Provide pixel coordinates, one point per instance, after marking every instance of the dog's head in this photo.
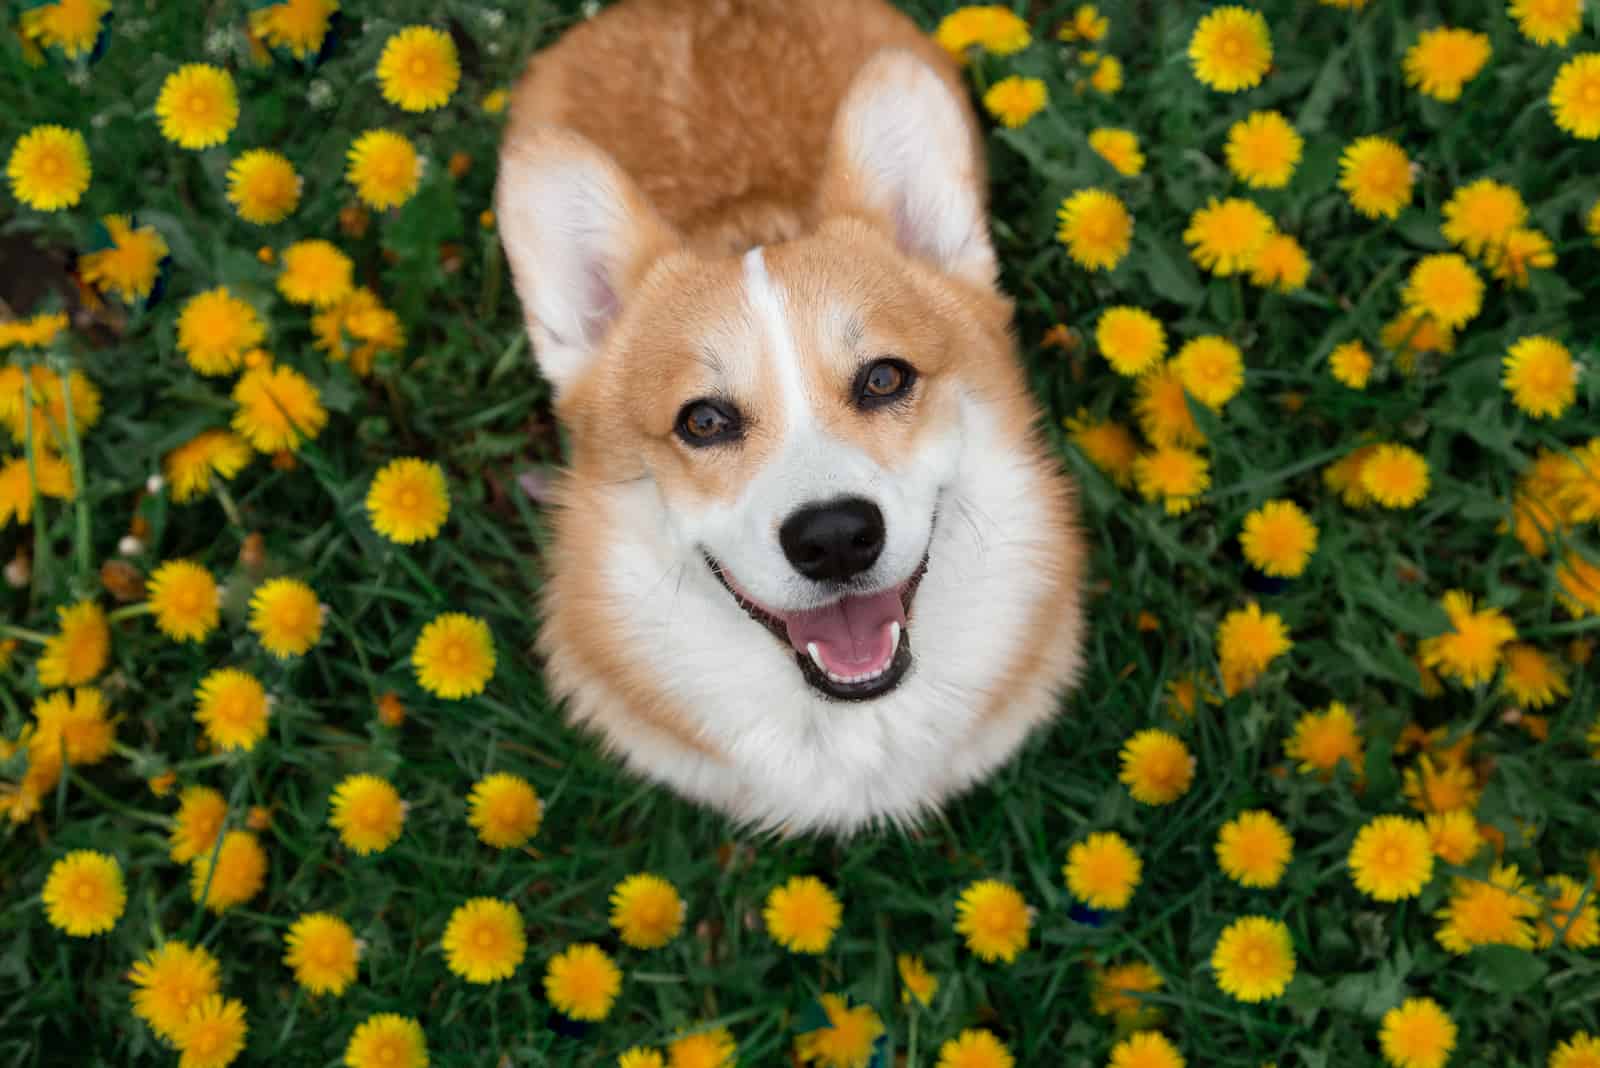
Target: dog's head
(802, 420)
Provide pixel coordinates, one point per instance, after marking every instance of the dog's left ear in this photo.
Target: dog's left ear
(903, 153)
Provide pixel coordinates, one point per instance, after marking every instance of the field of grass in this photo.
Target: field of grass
(1452, 711)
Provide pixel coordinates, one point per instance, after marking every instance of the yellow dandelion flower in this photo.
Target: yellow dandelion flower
(916, 983)
(239, 872)
(80, 650)
(1412, 334)
(285, 615)
(1395, 476)
(34, 333)
(1254, 959)
(505, 810)
(408, 501)
(371, 326)
(1263, 150)
(1570, 915)
(494, 102)
(184, 599)
(367, 812)
(297, 25)
(1131, 339)
(1109, 445)
(1444, 786)
(50, 395)
(454, 656)
(1231, 49)
(1172, 474)
(846, 1041)
(263, 186)
(1376, 175)
(1282, 264)
(1446, 288)
(315, 272)
(582, 982)
(1523, 248)
(1497, 911)
(1145, 1049)
(277, 409)
(323, 953)
(171, 980)
(197, 823)
(1391, 858)
(130, 265)
(387, 1040)
(1120, 148)
(216, 329)
(994, 28)
(646, 911)
(1580, 483)
(1481, 214)
(1157, 767)
(1211, 369)
(1582, 1050)
(384, 168)
(1117, 992)
(1015, 100)
(802, 915)
(994, 920)
(1096, 228)
(1253, 849)
(73, 26)
(484, 941)
(975, 1048)
(1248, 641)
(83, 894)
(1107, 76)
(1162, 408)
(1351, 364)
(1417, 1034)
(1470, 651)
(189, 468)
(1575, 96)
(1278, 539)
(1547, 22)
(212, 1034)
(198, 106)
(74, 724)
(1541, 377)
(1102, 871)
(1454, 835)
(1086, 24)
(1226, 236)
(49, 168)
(1443, 60)
(233, 708)
(16, 487)
(1532, 678)
(640, 1057)
(703, 1049)
(418, 69)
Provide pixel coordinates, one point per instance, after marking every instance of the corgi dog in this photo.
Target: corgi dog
(811, 563)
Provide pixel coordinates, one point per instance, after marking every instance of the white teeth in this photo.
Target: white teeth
(894, 638)
(816, 658)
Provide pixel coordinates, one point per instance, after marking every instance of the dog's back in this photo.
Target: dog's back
(720, 110)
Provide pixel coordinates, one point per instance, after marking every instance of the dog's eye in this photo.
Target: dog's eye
(883, 381)
(707, 422)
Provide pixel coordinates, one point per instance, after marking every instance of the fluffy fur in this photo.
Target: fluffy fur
(752, 200)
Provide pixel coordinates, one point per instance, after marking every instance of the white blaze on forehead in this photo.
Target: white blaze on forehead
(772, 317)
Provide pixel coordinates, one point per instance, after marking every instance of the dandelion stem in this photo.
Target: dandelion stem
(41, 546)
(108, 802)
(12, 631)
(81, 536)
(230, 507)
(129, 611)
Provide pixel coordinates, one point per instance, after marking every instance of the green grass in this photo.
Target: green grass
(464, 392)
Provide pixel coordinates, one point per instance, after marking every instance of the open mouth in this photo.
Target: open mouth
(853, 649)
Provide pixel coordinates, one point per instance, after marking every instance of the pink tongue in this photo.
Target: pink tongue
(852, 635)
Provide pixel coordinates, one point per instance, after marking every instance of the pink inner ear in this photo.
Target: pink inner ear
(600, 299)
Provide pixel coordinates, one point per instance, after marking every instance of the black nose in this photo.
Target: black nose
(833, 541)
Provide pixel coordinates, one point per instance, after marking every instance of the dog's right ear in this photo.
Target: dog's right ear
(579, 236)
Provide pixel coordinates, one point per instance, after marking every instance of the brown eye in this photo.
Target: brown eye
(707, 422)
(883, 381)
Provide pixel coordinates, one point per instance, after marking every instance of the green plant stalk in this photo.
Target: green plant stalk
(80, 536)
(41, 545)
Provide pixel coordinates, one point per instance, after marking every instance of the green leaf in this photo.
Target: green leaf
(1508, 969)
